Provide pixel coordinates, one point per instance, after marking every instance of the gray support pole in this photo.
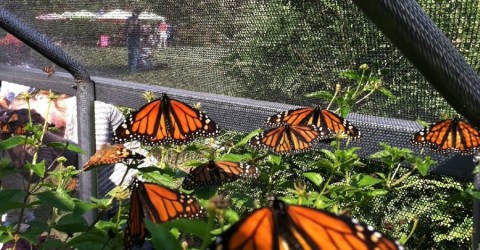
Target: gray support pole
(85, 94)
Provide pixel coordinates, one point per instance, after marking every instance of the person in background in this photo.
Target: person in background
(133, 33)
(8, 91)
(163, 28)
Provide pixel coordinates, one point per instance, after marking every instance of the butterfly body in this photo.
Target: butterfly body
(450, 135)
(219, 172)
(50, 70)
(321, 118)
(282, 226)
(165, 121)
(111, 154)
(158, 204)
(289, 138)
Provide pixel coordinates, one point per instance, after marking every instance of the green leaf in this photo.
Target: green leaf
(387, 93)
(329, 154)
(195, 227)
(53, 244)
(38, 169)
(95, 239)
(247, 138)
(323, 163)
(71, 223)
(274, 159)
(345, 108)
(82, 207)
(380, 155)
(11, 199)
(316, 178)
(326, 95)
(59, 199)
(350, 74)
(75, 148)
(424, 165)
(364, 180)
(235, 157)
(377, 192)
(161, 236)
(12, 142)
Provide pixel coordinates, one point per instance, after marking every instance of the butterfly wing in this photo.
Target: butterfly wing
(450, 135)
(336, 123)
(163, 204)
(110, 154)
(289, 139)
(256, 231)
(296, 227)
(165, 121)
(292, 117)
(217, 173)
(135, 231)
(315, 229)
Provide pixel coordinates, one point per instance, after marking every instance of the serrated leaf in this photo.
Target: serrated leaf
(387, 93)
(53, 244)
(235, 157)
(364, 180)
(326, 95)
(350, 74)
(71, 223)
(195, 227)
(59, 199)
(38, 168)
(95, 239)
(12, 142)
(274, 159)
(161, 236)
(247, 138)
(316, 178)
(380, 155)
(329, 154)
(323, 163)
(377, 192)
(11, 199)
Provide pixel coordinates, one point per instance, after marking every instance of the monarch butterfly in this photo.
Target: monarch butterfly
(50, 70)
(215, 173)
(110, 154)
(282, 226)
(289, 138)
(165, 121)
(316, 116)
(451, 135)
(158, 204)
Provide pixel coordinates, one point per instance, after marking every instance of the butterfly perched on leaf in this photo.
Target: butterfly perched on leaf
(282, 226)
(110, 154)
(158, 204)
(450, 135)
(288, 139)
(321, 118)
(165, 121)
(215, 173)
(50, 70)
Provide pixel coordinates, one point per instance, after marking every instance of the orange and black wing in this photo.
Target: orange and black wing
(296, 227)
(165, 121)
(50, 70)
(162, 204)
(135, 231)
(289, 138)
(321, 118)
(216, 173)
(110, 154)
(158, 204)
(311, 228)
(451, 135)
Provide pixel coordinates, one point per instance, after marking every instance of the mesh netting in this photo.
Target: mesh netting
(275, 51)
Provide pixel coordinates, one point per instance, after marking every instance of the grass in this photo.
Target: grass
(190, 68)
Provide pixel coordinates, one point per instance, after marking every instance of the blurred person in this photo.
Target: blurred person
(163, 29)
(133, 33)
(8, 91)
